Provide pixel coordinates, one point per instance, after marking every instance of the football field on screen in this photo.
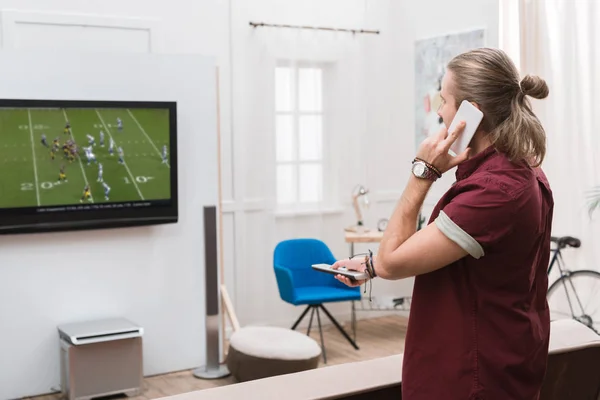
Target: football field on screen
(29, 177)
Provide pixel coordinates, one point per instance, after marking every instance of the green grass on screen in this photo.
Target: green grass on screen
(29, 176)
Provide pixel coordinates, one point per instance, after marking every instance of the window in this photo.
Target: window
(299, 134)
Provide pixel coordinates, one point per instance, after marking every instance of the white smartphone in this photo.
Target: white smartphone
(353, 275)
(472, 116)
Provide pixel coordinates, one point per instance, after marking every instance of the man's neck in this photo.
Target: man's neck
(479, 143)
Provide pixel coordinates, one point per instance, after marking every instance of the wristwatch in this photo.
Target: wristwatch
(422, 170)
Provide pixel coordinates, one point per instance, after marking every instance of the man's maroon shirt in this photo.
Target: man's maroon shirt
(479, 328)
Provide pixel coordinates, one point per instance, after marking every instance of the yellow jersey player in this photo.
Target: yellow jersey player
(54, 150)
(68, 128)
(62, 177)
(68, 149)
(86, 194)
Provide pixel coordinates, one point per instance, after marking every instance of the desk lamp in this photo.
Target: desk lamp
(358, 193)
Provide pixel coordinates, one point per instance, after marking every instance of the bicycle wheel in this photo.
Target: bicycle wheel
(576, 295)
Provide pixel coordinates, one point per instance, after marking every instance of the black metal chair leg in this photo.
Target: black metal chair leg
(337, 325)
(321, 333)
(353, 318)
(312, 313)
(301, 316)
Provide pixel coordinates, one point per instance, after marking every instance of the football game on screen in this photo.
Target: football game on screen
(68, 156)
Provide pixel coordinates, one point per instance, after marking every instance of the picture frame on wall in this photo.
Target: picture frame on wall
(431, 57)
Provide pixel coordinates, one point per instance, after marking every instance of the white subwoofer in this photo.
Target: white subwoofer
(101, 358)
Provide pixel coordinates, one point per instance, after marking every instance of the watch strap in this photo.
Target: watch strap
(429, 166)
(424, 172)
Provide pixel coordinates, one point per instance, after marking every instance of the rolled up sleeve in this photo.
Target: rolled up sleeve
(477, 218)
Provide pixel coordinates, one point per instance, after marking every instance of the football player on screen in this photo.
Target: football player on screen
(101, 139)
(62, 177)
(121, 154)
(164, 155)
(72, 151)
(91, 140)
(106, 190)
(119, 124)
(111, 147)
(67, 148)
(54, 149)
(67, 130)
(90, 156)
(44, 142)
(100, 179)
(86, 194)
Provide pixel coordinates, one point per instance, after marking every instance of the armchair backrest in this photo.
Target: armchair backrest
(297, 255)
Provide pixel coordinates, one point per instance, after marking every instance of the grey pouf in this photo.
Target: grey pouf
(257, 352)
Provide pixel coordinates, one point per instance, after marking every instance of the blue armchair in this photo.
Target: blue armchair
(299, 284)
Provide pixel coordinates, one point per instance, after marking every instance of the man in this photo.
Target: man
(479, 323)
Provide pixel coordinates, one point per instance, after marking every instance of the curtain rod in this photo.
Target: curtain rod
(259, 24)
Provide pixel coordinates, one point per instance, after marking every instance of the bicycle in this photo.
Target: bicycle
(572, 295)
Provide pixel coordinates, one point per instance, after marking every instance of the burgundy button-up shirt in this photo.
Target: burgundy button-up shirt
(479, 328)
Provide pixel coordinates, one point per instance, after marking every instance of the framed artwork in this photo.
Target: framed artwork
(431, 57)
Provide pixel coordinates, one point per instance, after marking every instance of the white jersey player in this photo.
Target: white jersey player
(90, 156)
(119, 124)
(111, 147)
(91, 140)
(121, 154)
(101, 139)
(164, 154)
(100, 179)
(106, 190)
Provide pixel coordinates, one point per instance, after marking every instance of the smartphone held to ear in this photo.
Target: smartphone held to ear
(472, 116)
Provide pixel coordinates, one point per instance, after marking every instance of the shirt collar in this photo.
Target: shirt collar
(466, 168)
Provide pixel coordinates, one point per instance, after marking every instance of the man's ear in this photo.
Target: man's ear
(476, 105)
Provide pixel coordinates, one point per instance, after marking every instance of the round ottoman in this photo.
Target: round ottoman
(259, 352)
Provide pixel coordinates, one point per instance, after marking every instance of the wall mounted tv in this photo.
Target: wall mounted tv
(69, 165)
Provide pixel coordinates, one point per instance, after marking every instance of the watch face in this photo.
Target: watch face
(419, 169)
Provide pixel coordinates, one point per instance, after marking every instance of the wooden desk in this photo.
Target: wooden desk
(372, 236)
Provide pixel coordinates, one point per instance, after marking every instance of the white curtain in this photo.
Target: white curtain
(301, 105)
(560, 41)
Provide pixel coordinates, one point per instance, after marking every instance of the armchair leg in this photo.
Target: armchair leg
(312, 314)
(338, 326)
(353, 318)
(301, 316)
(321, 333)
(315, 307)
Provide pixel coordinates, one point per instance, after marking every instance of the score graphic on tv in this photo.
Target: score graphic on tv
(105, 160)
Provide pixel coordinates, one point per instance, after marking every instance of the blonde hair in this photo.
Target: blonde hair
(489, 78)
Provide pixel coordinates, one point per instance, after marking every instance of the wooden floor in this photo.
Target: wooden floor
(376, 337)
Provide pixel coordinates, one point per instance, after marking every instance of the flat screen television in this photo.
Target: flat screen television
(70, 165)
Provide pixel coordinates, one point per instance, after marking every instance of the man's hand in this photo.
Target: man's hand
(434, 149)
(353, 264)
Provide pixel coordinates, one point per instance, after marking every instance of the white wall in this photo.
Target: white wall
(151, 275)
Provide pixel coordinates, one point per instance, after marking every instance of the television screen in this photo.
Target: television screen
(86, 164)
